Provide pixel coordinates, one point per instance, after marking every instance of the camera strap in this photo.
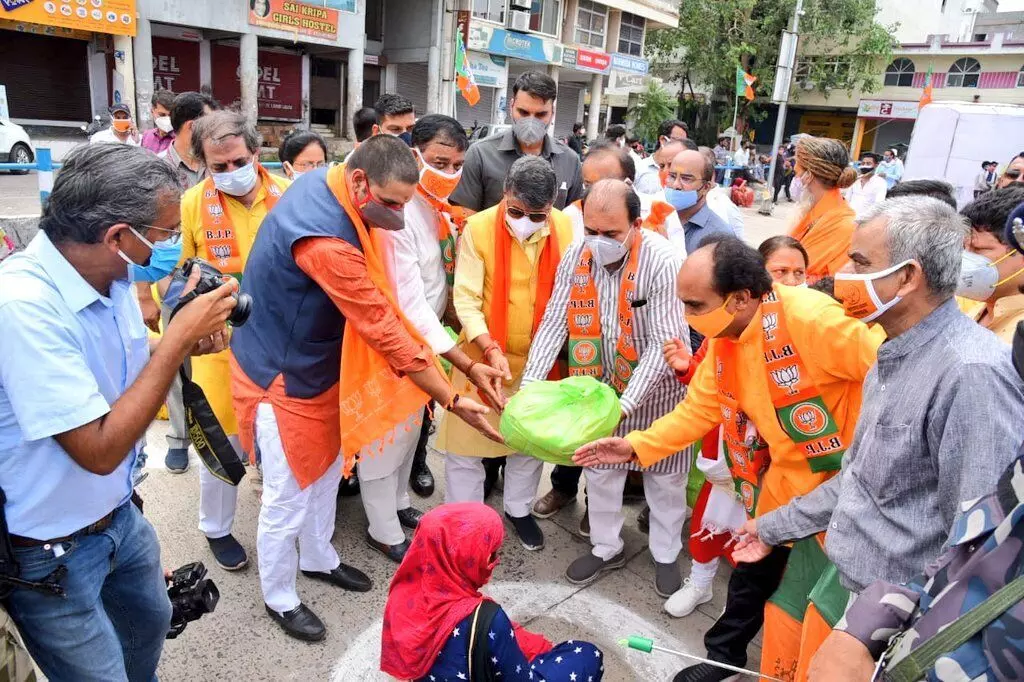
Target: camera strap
(9, 568)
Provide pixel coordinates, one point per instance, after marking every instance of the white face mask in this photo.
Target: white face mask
(523, 228)
(979, 277)
(607, 251)
(163, 123)
(238, 182)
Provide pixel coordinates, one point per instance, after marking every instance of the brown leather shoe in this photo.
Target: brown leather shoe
(546, 506)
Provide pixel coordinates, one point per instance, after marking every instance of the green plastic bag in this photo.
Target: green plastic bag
(549, 420)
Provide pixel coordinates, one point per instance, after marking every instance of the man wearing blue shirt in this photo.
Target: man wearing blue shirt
(78, 388)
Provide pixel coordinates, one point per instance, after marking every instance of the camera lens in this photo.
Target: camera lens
(208, 598)
(240, 314)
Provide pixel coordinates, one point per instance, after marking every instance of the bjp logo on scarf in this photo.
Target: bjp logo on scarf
(787, 378)
(584, 352)
(747, 492)
(769, 322)
(809, 419)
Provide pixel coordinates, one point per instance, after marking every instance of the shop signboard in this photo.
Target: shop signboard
(294, 17)
(525, 46)
(175, 65)
(594, 61)
(620, 83)
(630, 64)
(888, 109)
(489, 70)
(279, 93)
(116, 17)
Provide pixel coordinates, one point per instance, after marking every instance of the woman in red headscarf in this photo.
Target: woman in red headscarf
(435, 601)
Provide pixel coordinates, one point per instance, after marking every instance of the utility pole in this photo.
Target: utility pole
(783, 81)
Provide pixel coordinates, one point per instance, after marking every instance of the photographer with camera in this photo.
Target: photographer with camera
(79, 385)
(220, 218)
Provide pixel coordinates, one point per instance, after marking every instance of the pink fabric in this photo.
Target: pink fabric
(453, 553)
(152, 140)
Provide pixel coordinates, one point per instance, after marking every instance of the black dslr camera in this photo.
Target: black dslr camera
(209, 279)
(192, 594)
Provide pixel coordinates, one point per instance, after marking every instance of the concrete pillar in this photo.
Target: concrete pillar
(97, 79)
(143, 46)
(434, 59)
(858, 138)
(124, 72)
(306, 106)
(248, 71)
(205, 64)
(355, 86)
(553, 72)
(594, 116)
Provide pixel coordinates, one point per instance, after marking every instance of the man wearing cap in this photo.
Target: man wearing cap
(122, 128)
(869, 189)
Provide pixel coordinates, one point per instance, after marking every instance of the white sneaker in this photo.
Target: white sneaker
(687, 598)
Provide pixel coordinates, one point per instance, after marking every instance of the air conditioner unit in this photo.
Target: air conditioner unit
(518, 21)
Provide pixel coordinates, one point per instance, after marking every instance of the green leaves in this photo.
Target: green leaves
(654, 105)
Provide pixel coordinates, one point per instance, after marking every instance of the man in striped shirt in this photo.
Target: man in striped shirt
(614, 302)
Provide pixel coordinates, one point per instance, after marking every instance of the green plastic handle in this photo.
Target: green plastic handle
(640, 643)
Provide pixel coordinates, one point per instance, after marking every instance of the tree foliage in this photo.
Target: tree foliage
(654, 105)
(841, 47)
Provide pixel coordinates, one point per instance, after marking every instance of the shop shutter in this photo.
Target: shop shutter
(412, 83)
(46, 77)
(565, 112)
(480, 114)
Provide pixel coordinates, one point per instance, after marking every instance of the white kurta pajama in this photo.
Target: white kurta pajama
(653, 390)
(416, 270)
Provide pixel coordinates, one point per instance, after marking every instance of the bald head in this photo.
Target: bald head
(663, 157)
(605, 161)
(611, 209)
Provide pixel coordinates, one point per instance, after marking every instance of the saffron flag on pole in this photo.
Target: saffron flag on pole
(744, 84)
(926, 96)
(464, 74)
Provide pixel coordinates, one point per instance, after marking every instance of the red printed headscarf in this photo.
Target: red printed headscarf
(451, 557)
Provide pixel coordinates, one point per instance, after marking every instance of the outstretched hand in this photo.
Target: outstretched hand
(749, 548)
(677, 355)
(475, 414)
(604, 451)
(489, 380)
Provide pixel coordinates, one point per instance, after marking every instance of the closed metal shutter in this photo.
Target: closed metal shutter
(47, 77)
(480, 114)
(412, 83)
(565, 111)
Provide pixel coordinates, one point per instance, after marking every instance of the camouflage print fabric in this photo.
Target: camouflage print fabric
(985, 552)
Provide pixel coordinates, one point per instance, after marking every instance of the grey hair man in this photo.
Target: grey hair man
(79, 386)
(941, 411)
(514, 247)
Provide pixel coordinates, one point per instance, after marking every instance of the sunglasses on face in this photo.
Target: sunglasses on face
(517, 213)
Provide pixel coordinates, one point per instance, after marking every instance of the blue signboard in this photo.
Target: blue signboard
(523, 46)
(629, 64)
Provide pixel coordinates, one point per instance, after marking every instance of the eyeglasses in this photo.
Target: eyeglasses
(173, 234)
(517, 213)
(308, 165)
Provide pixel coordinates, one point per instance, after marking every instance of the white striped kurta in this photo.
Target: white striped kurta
(653, 390)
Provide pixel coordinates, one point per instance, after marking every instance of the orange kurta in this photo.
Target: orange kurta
(825, 233)
(837, 368)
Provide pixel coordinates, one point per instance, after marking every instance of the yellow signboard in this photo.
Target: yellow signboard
(40, 30)
(828, 124)
(101, 16)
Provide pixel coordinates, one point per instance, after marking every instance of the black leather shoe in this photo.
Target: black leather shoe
(300, 623)
(345, 577)
(410, 518)
(643, 520)
(349, 487)
(421, 480)
(394, 552)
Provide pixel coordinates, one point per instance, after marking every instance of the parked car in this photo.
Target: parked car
(15, 146)
(487, 130)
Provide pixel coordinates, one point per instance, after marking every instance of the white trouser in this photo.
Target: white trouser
(289, 514)
(384, 495)
(217, 499)
(703, 574)
(464, 481)
(666, 496)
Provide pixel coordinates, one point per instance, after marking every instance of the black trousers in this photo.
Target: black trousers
(780, 183)
(419, 457)
(566, 479)
(750, 587)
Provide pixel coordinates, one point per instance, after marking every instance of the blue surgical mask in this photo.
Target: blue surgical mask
(163, 258)
(405, 137)
(238, 182)
(681, 199)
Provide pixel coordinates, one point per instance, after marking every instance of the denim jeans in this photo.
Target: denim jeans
(113, 621)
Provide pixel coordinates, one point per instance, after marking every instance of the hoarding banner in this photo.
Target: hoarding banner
(280, 81)
(893, 109)
(295, 17)
(102, 16)
(630, 64)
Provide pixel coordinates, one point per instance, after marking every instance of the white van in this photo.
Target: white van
(952, 139)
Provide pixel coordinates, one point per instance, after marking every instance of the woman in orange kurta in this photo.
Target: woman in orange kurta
(824, 230)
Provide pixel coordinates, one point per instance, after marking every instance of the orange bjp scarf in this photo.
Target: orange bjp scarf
(825, 233)
(547, 267)
(374, 399)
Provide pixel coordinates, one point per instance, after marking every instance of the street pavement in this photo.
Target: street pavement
(19, 194)
(239, 641)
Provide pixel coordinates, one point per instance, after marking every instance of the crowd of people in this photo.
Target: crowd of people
(846, 393)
